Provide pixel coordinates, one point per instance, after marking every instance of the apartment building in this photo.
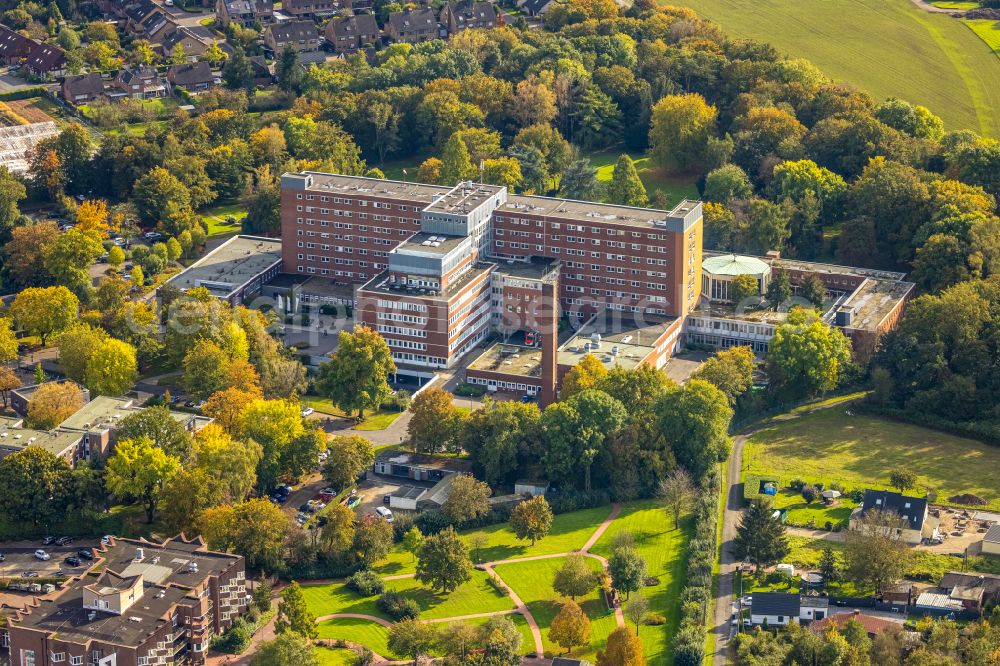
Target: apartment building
(140, 604)
(439, 267)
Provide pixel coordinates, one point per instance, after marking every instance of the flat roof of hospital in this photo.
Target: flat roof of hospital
(510, 360)
(380, 284)
(633, 336)
(231, 265)
(339, 184)
(464, 198)
(428, 243)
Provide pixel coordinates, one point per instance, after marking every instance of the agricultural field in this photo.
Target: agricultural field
(858, 451)
(987, 30)
(655, 538)
(888, 48)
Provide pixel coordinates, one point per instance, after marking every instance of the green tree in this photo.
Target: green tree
(808, 354)
(140, 469)
(570, 627)
(34, 487)
(288, 71)
(413, 540)
(745, 288)
(158, 425)
(157, 194)
(443, 561)
(116, 257)
(456, 164)
(43, 311)
(579, 181)
(680, 129)
(696, 418)
(760, 537)
(813, 290)
(237, 73)
(625, 187)
(729, 370)
(355, 378)
(636, 610)
(12, 191)
(350, 456)
(874, 554)
(435, 421)
(231, 462)
(111, 368)
(627, 569)
(495, 435)
(468, 500)
(256, 529)
(726, 183)
(574, 578)
(412, 638)
(185, 496)
(293, 613)
(828, 565)
(372, 539)
(70, 255)
(286, 648)
(779, 289)
(902, 479)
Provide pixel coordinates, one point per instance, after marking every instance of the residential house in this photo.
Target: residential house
(917, 524)
(193, 77)
(775, 609)
(974, 590)
(413, 26)
(873, 625)
(309, 8)
(349, 33)
(46, 61)
(900, 595)
(991, 541)
(144, 19)
(262, 76)
(300, 35)
(192, 43)
(80, 89)
(246, 13)
(141, 83)
(535, 8)
(465, 14)
(14, 47)
(813, 608)
(936, 603)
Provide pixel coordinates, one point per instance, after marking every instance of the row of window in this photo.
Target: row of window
(359, 202)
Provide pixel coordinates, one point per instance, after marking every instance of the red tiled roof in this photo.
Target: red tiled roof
(873, 625)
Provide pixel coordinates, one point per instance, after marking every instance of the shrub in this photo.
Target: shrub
(651, 581)
(857, 495)
(655, 620)
(367, 583)
(470, 390)
(236, 639)
(809, 493)
(797, 485)
(398, 607)
(365, 658)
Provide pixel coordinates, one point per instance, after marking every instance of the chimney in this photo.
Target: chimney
(139, 554)
(548, 326)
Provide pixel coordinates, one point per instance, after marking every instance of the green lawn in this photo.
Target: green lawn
(676, 188)
(816, 514)
(859, 451)
(335, 657)
(377, 421)
(960, 5)
(363, 632)
(663, 548)
(533, 583)
(885, 47)
(987, 30)
(569, 532)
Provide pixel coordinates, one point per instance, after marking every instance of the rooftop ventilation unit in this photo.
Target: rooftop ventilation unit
(139, 554)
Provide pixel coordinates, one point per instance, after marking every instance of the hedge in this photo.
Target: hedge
(24, 93)
(689, 644)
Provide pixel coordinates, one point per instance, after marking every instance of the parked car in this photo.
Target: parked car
(308, 411)
(73, 561)
(86, 553)
(384, 513)
(106, 539)
(64, 541)
(527, 398)
(29, 574)
(307, 508)
(152, 235)
(42, 555)
(48, 541)
(386, 498)
(1, 557)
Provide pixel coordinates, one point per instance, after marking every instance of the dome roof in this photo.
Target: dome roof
(734, 264)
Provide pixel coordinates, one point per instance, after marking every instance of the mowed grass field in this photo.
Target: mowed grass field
(859, 451)
(888, 48)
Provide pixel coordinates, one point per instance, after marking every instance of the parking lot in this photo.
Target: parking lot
(19, 558)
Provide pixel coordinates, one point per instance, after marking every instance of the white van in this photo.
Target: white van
(384, 513)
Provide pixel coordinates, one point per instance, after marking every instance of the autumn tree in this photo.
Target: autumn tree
(24, 253)
(623, 649)
(231, 462)
(584, 375)
(574, 578)
(412, 638)
(9, 381)
(456, 165)
(531, 519)
(570, 627)
(875, 555)
(43, 311)
(413, 540)
(435, 421)
(256, 529)
(729, 370)
(355, 378)
(53, 403)
(112, 367)
(468, 500)
(443, 561)
(140, 469)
